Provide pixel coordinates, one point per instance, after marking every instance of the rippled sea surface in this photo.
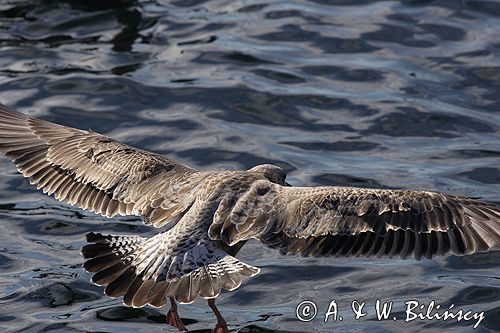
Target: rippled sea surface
(362, 93)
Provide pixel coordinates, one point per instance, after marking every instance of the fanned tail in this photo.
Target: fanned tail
(148, 270)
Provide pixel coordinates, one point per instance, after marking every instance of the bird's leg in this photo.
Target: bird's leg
(173, 318)
(221, 326)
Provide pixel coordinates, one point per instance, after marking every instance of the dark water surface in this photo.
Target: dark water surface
(364, 93)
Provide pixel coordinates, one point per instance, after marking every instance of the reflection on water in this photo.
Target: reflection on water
(363, 93)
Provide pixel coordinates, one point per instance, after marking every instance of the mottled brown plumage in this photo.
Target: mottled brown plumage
(210, 214)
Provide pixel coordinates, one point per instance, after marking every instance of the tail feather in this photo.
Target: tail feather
(156, 296)
(99, 263)
(96, 250)
(148, 271)
(119, 286)
(141, 294)
(108, 275)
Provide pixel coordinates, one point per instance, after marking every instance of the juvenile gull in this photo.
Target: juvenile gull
(211, 214)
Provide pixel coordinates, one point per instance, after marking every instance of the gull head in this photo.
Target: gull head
(273, 173)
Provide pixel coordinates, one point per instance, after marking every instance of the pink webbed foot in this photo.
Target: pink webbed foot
(173, 318)
(220, 328)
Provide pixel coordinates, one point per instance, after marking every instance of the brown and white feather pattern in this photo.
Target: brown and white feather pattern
(182, 263)
(214, 213)
(97, 173)
(355, 221)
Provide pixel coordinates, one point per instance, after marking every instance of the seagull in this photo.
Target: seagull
(207, 216)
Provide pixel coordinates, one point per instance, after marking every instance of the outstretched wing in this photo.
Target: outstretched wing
(94, 172)
(346, 221)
